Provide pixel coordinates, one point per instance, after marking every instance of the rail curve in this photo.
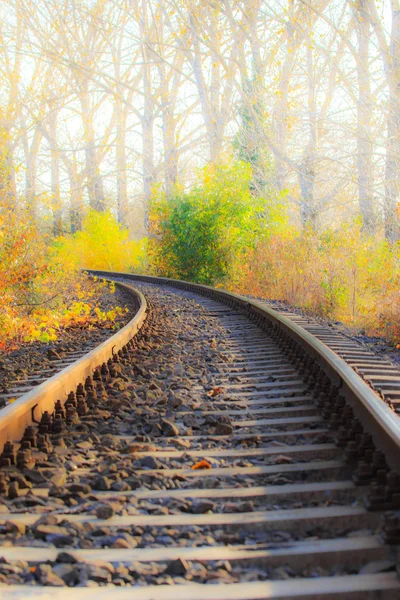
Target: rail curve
(29, 407)
(225, 453)
(378, 418)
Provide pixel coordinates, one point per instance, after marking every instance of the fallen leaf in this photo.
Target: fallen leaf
(203, 464)
(215, 391)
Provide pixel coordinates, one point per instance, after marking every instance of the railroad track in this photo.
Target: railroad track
(378, 371)
(45, 367)
(222, 453)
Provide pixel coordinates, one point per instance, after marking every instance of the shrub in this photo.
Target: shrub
(41, 288)
(200, 235)
(102, 243)
(340, 274)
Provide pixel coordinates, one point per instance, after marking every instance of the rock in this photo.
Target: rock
(247, 506)
(104, 511)
(121, 486)
(134, 483)
(46, 520)
(139, 447)
(53, 355)
(169, 428)
(102, 484)
(182, 443)
(165, 540)
(68, 573)
(77, 488)
(45, 531)
(66, 557)
(174, 401)
(150, 462)
(61, 451)
(23, 483)
(122, 571)
(7, 569)
(44, 575)
(123, 543)
(282, 459)
(34, 476)
(59, 541)
(160, 510)
(13, 490)
(4, 489)
(198, 570)
(15, 527)
(177, 567)
(56, 492)
(190, 421)
(202, 505)
(96, 573)
(59, 478)
(103, 564)
(119, 385)
(223, 429)
(221, 574)
(214, 462)
(84, 445)
(283, 572)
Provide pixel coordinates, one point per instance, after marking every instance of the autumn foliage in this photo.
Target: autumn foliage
(218, 233)
(341, 274)
(41, 287)
(201, 234)
(102, 243)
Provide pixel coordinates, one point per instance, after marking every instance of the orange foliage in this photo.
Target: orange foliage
(40, 292)
(203, 464)
(341, 275)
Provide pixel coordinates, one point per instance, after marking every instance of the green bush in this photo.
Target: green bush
(198, 235)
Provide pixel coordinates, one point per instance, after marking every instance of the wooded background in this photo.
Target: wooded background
(100, 100)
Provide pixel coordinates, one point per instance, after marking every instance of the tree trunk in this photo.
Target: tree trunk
(55, 192)
(391, 62)
(364, 117)
(94, 179)
(149, 170)
(281, 109)
(122, 185)
(308, 209)
(55, 175)
(170, 150)
(76, 209)
(209, 109)
(148, 117)
(392, 172)
(31, 171)
(8, 189)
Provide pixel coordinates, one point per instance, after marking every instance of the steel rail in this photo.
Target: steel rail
(377, 418)
(29, 407)
(303, 497)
